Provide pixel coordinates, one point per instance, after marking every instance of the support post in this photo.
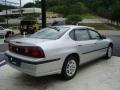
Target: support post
(6, 14)
(43, 13)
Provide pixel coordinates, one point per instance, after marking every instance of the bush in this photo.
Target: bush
(28, 18)
(73, 19)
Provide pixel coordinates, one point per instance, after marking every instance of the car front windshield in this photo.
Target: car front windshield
(50, 33)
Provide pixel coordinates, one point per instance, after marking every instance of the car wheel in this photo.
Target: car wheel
(21, 32)
(9, 34)
(70, 67)
(109, 52)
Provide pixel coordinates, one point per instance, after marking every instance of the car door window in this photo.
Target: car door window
(94, 34)
(81, 35)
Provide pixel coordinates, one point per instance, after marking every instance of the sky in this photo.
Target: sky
(17, 1)
(23, 1)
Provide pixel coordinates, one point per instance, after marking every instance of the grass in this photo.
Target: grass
(89, 16)
(117, 27)
(98, 26)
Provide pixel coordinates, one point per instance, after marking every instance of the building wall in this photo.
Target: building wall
(53, 15)
(14, 16)
(17, 12)
(24, 11)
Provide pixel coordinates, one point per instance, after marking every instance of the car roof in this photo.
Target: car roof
(75, 27)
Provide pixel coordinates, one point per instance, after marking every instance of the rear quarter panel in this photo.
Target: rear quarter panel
(59, 49)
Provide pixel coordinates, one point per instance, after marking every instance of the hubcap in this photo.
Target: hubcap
(109, 52)
(71, 68)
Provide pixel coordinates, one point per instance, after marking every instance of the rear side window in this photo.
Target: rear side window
(94, 34)
(72, 34)
(81, 35)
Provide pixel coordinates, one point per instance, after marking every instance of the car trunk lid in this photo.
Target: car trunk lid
(28, 41)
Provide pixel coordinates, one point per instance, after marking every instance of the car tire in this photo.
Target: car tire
(9, 34)
(109, 52)
(70, 67)
(32, 31)
(21, 32)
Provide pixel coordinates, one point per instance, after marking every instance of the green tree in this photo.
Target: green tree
(2, 19)
(37, 3)
(78, 8)
(106, 8)
(73, 19)
(3, 7)
(52, 3)
(28, 5)
(63, 9)
(116, 14)
(67, 9)
(28, 18)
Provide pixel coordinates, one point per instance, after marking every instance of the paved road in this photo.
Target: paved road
(116, 51)
(116, 40)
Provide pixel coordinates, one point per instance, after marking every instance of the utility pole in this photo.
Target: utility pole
(34, 8)
(6, 13)
(20, 8)
(43, 13)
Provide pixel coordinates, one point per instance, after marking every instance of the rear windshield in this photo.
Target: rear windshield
(27, 22)
(50, 33)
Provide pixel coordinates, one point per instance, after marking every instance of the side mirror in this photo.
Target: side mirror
(103, 36)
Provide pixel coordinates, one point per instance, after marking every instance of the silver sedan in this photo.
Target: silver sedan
(58, 50)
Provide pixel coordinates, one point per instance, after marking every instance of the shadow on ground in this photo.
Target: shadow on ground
(46, 81)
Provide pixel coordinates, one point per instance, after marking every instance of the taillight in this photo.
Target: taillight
(34, 52)
(9, 46)
(37, 53)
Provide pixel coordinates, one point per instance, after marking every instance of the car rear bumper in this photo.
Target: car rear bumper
(40, 68)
